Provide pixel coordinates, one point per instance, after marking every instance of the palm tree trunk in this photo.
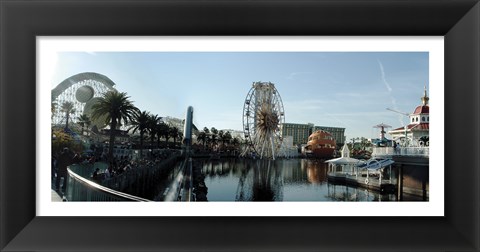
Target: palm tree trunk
(66, 123)
(141, 144)
(166, 140)
(113, 126)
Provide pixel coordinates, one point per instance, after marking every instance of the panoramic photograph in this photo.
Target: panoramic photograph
(240, 126)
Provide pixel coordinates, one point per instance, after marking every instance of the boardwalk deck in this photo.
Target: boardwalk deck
(386, 186)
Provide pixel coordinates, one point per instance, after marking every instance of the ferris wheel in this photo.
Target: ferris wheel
(263, 117)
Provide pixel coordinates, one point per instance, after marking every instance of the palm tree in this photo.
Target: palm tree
(162, 131)
(207, 136)
(68, 108)
(214, 135)
(83, 120)
(226, 138)
(160, 128)
(235, 141)
(140, 122)
(153, 122)
(117, 108)
(220, 136)
(202, 136)
(206, 130)
(54, 108)
(174, 133)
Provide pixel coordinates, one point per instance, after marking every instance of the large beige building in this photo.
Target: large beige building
(299, 132)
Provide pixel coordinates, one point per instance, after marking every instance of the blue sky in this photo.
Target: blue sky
(344, 89)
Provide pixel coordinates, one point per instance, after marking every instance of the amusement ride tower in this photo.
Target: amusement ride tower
(263, 117)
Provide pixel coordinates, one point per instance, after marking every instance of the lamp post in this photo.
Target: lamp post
(405, 136)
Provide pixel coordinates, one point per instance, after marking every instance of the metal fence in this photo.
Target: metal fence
(142, 181)
(80, 188)
(123, 187)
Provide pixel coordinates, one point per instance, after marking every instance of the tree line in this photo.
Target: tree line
(214, 139)
(118, 110)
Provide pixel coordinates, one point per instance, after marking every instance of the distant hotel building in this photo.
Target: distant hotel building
(301, 132)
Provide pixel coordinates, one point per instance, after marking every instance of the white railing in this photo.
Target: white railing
(400, 151)
(82, 189)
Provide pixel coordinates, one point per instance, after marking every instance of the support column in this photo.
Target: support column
(390, 173)
(424, 189)
(380, 177)
(400, 183)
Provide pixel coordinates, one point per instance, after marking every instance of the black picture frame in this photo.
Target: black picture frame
(22, 21)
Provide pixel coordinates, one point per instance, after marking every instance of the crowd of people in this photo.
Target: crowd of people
(116, 167)
(123, 164)
(60, 162)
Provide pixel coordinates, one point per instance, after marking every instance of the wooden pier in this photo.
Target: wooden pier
(410, 176)
(372, 183)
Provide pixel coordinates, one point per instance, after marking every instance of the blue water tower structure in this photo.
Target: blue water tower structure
(187, 129)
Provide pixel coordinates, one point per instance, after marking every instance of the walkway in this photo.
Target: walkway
(56, 197)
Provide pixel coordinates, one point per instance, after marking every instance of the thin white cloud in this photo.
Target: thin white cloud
(389, 88)
(387, 85)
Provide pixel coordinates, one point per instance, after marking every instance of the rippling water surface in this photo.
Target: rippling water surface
(279, 180)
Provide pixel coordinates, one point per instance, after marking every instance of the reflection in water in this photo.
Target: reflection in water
(316, 170)
(346, 193)
(260, 181)
(277, 180)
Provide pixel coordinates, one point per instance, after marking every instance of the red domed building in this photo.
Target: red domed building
(321, 144)
(417, 131)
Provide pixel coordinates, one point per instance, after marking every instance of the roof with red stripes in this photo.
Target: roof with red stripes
(421, 110)
(414, 126)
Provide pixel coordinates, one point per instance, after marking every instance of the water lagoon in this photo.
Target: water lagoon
(277, 180)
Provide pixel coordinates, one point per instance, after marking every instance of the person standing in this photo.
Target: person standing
(54, 168)
(395, 147)
(64, 160)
